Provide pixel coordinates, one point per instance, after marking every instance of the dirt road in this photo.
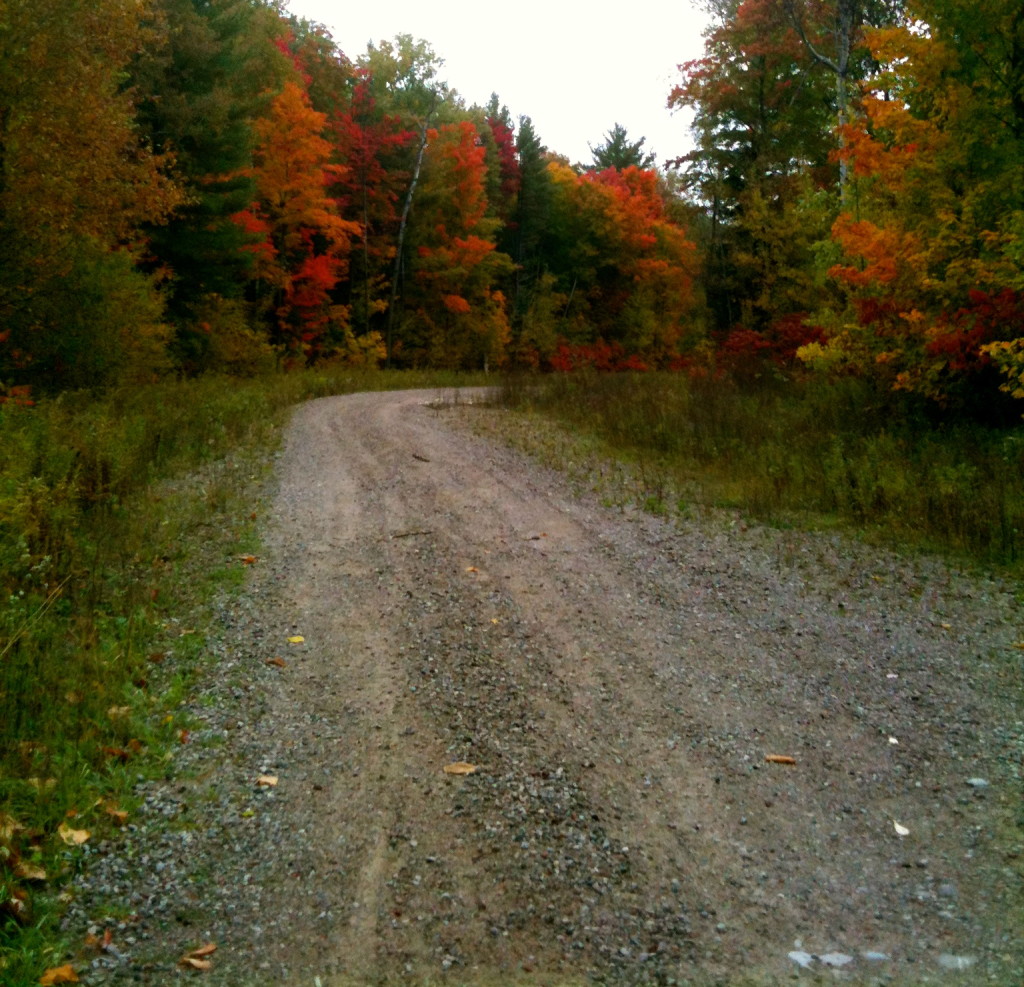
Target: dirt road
(618, 682)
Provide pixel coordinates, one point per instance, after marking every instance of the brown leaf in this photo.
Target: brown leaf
(460, 768)
(779, 759)
(248, 559)
(119, 816)
(195, 964)
(29, 872)
(279, 662)
(16, 906)
(59, 975)
(267, 781)
(472, 568)
(8, 826)
(210, 947)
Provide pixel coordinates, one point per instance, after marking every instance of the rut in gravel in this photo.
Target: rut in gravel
(617, 680)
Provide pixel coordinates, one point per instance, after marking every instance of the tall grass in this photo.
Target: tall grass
(825, 452)
(119, 516)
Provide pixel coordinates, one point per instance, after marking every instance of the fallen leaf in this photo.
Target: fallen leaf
(459, 768)
(279, 662)
(72, 837)
(248, 559)
(495, 620)
(194, 963)
(118, 712)
(59, 975)
(8, 826)
(16, 906)
(118, 815)
(267, 781)
(210, 947)
(894, 741)
(29, 872)
(779, 759)
(946, 627)
(472, 568)
(296, 639)
(900, 830)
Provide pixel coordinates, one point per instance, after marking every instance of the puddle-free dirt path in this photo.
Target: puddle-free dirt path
(617, 681)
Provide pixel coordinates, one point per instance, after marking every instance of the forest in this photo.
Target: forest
(812, 313)
(215, 186)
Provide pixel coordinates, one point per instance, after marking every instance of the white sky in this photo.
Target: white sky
(576, 69)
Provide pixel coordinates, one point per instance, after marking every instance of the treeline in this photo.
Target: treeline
(858, 192)
(190, 185)
(193, 185)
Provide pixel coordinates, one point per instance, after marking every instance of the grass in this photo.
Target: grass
(121, 517)
(799, 453)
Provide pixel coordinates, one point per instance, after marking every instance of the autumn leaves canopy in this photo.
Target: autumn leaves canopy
(214, 186)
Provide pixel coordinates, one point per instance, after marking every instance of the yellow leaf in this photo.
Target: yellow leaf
(779, 759)
(72, 837)
(296, 639)
(210, 947)
(459, 768)
(118, 712)
(267, 781)
(29, 872)
(59, 975)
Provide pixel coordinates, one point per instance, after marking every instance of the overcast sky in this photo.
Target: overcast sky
(575, 68)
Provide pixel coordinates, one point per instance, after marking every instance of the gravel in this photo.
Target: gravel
(617, 681)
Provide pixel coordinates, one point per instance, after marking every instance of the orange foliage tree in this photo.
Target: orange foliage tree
(931, 265)
(300, 242)
(455, 312)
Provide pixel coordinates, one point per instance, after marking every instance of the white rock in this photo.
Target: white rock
(835, 959)
(800, 958)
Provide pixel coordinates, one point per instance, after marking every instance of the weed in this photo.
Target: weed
(121, 516)
(792, 450)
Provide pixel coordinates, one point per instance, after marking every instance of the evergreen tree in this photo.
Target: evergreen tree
(619, 152)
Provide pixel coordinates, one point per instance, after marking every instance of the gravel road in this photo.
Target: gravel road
(618, 682)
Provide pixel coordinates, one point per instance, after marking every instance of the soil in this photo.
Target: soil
(703, 751)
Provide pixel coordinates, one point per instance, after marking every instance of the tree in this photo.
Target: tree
(763, 128)
(305, 244)
(932, 267)
(76, 184)
(202, 84)
(455, 311)
(619, 152)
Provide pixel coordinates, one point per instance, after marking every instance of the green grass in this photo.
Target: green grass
(800, 452)
(121, 517)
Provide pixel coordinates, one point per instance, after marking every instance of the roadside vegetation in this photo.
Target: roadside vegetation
(794, 452)
(122, 517)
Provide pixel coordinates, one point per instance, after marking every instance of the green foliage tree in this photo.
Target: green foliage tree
(619, 152)
(77, 181)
